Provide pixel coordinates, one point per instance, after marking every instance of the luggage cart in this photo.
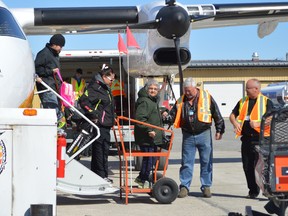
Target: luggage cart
(272, 166)
(163, 189)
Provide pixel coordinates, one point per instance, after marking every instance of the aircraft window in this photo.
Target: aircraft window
(208, 10)
(193, 10)
(9, 26)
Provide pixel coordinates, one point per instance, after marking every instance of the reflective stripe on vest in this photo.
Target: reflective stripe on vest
(78, 88)
(203, 109)
(204, 103)
(117, 88)
(179, 105)
(256, 114)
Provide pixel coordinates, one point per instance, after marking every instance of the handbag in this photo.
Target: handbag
(66, 91)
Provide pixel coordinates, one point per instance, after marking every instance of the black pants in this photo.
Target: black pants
(100, 152)
(147, 163)
(249, 160)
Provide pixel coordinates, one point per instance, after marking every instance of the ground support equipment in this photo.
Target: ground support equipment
(163, 189)
(272, 167)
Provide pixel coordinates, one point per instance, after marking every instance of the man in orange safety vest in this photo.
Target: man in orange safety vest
(246, 118)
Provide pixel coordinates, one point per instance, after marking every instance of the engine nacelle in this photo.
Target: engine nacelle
(157, 53)
(168, 57)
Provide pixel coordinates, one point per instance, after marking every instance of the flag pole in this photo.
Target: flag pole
(121, 87)
(122, 49)
(129, 111)
(130, 42)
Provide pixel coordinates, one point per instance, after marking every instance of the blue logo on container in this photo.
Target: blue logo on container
(3, 156)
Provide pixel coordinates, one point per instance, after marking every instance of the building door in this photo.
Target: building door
(226, 94)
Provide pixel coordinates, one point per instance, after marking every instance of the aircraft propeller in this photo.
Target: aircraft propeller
(172, 22)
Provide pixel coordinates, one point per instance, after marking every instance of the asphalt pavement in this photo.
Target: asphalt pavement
(229, 189)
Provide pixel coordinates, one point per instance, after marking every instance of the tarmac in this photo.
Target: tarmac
(229, 189)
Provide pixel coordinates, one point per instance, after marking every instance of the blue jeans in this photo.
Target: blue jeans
(203, 142)
(50, 101)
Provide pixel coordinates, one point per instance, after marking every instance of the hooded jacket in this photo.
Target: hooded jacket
(46, 60)
(98, 103)
(147, 111)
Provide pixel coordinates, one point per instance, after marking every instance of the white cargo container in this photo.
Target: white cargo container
(28, 147)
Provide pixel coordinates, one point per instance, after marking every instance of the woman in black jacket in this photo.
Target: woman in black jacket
(98, 104)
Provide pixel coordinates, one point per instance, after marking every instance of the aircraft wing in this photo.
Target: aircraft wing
(40, 21)
(37, 21)
(243, 14)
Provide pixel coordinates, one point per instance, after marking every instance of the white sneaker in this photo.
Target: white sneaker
(146, 184)
(108, 180)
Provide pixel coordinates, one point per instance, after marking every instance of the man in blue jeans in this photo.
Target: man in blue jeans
(193, 113)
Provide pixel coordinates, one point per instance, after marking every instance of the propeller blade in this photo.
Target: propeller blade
(177, 47)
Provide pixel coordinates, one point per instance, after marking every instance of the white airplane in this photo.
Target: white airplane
(161, 28)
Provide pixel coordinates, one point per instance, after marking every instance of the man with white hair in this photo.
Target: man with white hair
(193, 113)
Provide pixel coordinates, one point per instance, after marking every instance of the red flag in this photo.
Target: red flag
(121, 45)
(131, 40)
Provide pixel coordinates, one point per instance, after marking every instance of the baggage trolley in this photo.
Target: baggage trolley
(163, 189)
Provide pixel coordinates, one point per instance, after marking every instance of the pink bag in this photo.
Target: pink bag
(66, 91)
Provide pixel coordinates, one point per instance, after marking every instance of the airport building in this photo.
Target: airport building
(225, 79)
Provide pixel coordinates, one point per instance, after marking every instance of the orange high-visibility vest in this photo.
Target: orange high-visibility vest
(256, 114)
(117, 88)
(79, 89)
(203, 109)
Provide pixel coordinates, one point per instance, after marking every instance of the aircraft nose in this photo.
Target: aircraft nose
(174, 21)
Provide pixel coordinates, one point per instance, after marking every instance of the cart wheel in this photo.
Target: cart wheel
(137, 160)
(165, 190)
(283, 206)
(151, 179)
(276, 207)
(158, 176)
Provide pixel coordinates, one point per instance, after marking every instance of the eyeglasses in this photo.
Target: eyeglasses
(155, 89)
(110, 79)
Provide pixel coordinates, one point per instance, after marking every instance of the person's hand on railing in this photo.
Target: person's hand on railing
(38, 79)
(94, 120)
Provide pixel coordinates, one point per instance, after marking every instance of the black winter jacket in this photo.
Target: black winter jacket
(147, 110)
(98, 103)
(197, 127)
(46, 60)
